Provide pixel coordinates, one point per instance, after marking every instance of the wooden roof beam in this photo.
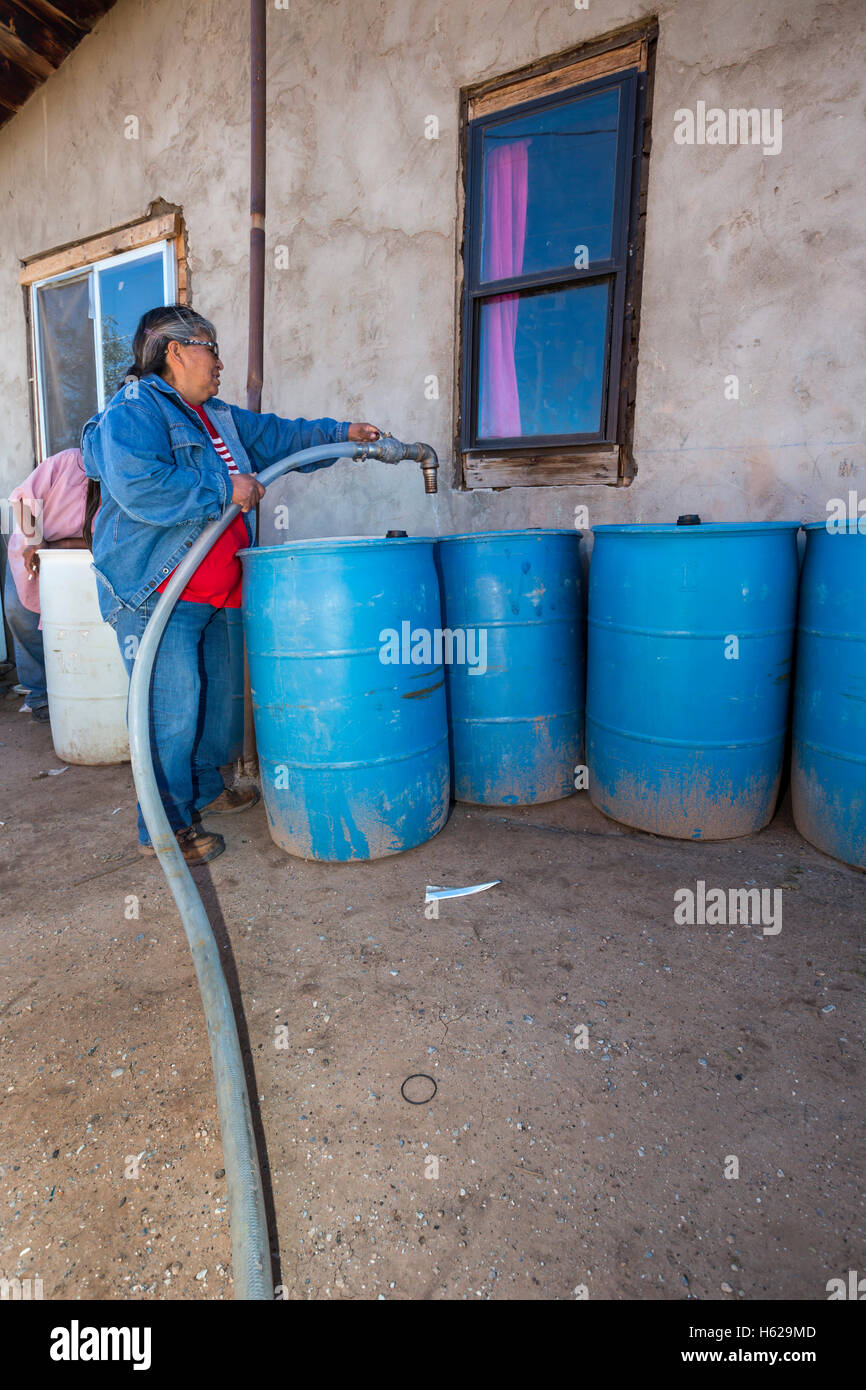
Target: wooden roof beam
(50, 14)
(20, 56)
(84, 14)
(15, 85)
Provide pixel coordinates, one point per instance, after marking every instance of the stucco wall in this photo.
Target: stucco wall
(754, 262)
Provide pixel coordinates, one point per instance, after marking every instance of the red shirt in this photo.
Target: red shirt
(217, 580)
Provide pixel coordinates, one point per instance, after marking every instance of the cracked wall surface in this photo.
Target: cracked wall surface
(753, 263)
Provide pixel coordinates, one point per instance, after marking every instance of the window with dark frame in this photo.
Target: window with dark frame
(551, 214)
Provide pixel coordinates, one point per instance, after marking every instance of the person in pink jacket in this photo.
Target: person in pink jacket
(48, 508)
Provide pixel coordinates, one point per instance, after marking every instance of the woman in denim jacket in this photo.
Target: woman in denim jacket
(166, 457)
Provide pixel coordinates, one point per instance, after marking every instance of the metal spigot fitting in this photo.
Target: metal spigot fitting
(426, 456)
(392, 450)
(430, 470)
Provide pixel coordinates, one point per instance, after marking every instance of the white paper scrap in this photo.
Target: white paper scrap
(434, 894)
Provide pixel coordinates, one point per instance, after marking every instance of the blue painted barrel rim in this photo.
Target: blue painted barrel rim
(851, 526)
(510, 719)
(845, 755)
(499, 624)
(834, 635)
(720, 635)
(706, 528)
(539, 532)
(657, 741)
(330, 544)
(317, 654)
(342, 766)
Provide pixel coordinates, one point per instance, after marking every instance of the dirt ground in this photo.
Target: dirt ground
(561, 1171)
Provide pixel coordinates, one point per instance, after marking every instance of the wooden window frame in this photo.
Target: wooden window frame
(163, 227)
(558, 463)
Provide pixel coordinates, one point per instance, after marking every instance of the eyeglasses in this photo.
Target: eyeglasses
(201, 342)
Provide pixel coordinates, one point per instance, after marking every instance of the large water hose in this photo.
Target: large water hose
(250, 1244)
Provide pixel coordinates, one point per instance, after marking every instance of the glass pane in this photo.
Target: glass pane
(126, 291)
(548, 187)
(68, 361)
(542, 362)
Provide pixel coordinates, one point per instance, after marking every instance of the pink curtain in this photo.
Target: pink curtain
(506, 181)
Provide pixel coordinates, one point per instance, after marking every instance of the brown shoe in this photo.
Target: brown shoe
(197, 846)
(230, 800)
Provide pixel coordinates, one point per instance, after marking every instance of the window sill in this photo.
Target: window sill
(599, 466)
(164, 227)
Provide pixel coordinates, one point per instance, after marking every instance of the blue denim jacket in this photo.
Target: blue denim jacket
(162, 480)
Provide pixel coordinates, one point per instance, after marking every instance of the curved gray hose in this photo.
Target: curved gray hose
(250, 1245)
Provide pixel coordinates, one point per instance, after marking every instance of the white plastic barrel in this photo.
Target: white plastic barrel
(86, 677)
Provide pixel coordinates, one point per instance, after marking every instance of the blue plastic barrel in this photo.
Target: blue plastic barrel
(235, 730)
(828, 774)
(349, 706)
(516, 599)
(690, 644)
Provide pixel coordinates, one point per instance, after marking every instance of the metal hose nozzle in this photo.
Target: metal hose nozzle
(430, 469)
(391, 450)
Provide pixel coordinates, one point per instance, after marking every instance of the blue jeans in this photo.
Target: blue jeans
(27, 641)
(190, 704)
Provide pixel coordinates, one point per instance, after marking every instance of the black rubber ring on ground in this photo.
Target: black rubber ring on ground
(418, 1075)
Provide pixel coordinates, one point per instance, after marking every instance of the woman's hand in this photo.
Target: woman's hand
(31, 560)
(363, 434)
(246, 491)
(30, 554)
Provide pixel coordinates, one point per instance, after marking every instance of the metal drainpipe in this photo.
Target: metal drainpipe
(258, 86)
(249, 768)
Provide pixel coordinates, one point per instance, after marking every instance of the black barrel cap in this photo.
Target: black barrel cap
(390, 534)
(689, 519)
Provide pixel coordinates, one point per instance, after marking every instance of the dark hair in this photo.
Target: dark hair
(156, 329)
(91, 507)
